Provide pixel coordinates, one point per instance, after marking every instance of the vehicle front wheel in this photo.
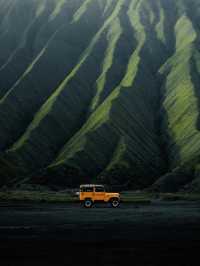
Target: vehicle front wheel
(115, 203)
(88, 203)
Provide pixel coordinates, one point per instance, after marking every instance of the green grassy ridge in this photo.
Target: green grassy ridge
(23, 52)
(56, 134)
(102, 29)
(54, 104)
(109, 4)
(59, 5)
(11, 37)
(81, 10)
(60, 116)
(144, 144)
(56, 27)
(84, 153)
(160, 25)
(113, 71)
(27, 101)
(123, 112)
(96, 131)
(78, 153)
(180, 102)
(114, 34)
(137, 148)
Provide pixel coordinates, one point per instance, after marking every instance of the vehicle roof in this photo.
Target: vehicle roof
(91, 185)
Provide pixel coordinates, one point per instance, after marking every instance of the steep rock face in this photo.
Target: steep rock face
(100, 89)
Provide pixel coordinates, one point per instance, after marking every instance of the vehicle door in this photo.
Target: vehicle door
(99, 193)
(87, 192)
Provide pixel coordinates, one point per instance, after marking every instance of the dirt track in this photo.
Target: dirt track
(161, 230)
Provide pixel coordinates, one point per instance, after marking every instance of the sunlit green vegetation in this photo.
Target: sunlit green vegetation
(107, 90)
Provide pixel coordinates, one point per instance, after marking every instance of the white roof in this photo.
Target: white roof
(91, 185)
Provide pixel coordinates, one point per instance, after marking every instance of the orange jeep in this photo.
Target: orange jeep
(90, 194)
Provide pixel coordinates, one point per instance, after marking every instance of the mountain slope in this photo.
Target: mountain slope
(99, 89)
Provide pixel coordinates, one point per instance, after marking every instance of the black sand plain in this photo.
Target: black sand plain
(160, 233)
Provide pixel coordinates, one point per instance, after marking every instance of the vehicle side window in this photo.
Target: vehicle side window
(87, 189)
(99, 189)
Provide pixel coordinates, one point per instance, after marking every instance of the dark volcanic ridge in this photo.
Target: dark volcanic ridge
(103, 90)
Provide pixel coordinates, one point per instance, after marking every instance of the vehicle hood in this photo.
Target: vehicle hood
(113, 194)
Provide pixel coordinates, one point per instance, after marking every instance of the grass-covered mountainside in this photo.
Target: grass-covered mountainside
(105, 90)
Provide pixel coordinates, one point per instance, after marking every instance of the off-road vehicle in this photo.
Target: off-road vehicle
(90, 194)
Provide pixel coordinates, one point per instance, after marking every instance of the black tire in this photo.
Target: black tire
(115, 202)
(88, 203)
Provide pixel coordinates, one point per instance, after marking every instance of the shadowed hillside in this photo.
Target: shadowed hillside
(103, 90)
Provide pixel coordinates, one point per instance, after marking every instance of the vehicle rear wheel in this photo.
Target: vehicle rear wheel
(88, 203)
(115, 202)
